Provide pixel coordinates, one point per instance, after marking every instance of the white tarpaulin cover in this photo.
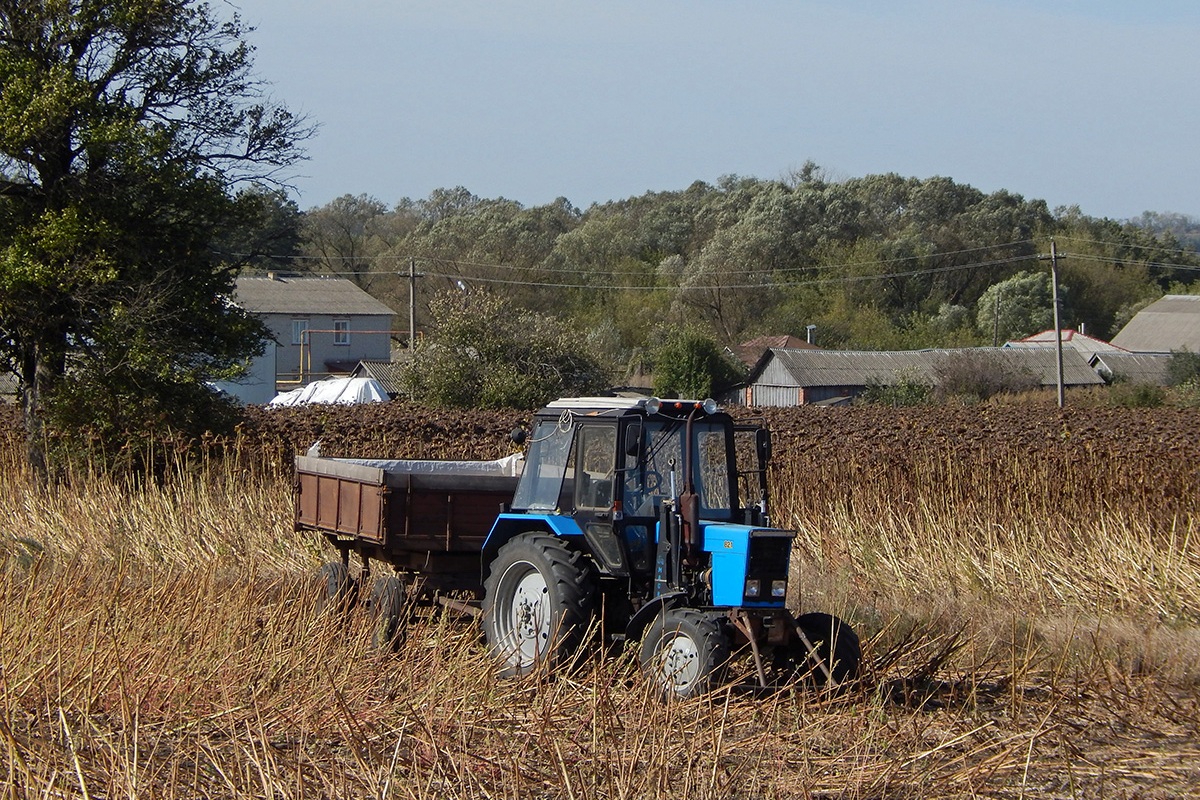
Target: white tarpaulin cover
(340, 391)
(509, 466)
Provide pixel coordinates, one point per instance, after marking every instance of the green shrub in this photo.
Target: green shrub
(1136, 395)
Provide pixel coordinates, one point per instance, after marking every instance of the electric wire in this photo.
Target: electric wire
(770, 278)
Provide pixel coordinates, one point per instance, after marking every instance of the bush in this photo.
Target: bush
(485, 353)
(907, 391)
(1183, 367)
(1136, 395)
(979, 376)
(689, 364)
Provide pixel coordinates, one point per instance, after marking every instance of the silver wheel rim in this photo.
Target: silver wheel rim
(524, 617)
(679, 663)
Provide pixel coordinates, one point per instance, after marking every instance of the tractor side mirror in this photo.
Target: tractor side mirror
(762, 442)
(633, 439)
(518, 436)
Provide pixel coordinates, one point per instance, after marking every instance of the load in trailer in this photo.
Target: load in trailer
(633, 510)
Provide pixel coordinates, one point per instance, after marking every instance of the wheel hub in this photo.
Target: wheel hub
(529, 616)
(679, 661)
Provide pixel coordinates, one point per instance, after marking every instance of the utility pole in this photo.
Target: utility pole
(996, 320)
(412, 303)
(1057, 323)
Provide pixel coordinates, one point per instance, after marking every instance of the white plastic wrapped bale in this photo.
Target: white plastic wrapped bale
(334, 391)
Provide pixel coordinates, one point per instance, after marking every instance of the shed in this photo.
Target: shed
(1152, 368)
(785, 377)
(751, 351)
(1070, 339)
(387, 374)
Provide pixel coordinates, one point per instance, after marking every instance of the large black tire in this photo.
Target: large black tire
(538, 600)
(387, 612)
(685, 652)
(336, 590)
(836, 649)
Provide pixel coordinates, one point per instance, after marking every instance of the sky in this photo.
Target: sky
(1094, 103)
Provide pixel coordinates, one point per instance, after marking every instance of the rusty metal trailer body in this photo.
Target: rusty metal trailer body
(427, 518)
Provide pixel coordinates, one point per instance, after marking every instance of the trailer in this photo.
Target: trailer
(641, 507)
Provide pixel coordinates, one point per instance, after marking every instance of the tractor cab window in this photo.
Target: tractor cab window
(594, 466)
(545, 467)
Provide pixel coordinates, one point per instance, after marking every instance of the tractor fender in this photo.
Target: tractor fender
(508, 525)
(644, 615)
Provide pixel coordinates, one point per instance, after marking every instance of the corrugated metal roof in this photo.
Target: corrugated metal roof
(749, 353)
(289, 295)
(865, 368)
(9, 384)
(855, 368)
(1172, 323)
(1133, 367)
(1073, 339)
(389, 374)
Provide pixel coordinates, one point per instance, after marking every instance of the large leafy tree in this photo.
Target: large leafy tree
(689, 364)
(487, 353)
(126, 127)
(1018, 306)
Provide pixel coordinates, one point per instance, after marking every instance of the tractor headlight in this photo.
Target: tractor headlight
(753, 588)
(778, 588)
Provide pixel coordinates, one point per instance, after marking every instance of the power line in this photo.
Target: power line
(765, 284)
(771, 276)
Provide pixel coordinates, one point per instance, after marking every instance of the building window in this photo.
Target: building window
(299, 328)
(341, 331)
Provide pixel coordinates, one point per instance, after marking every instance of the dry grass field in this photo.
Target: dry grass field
(1026, 582)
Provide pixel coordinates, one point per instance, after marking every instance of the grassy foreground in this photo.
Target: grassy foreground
(163, 641)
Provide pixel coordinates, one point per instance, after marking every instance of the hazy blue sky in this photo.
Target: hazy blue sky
(1088, 102)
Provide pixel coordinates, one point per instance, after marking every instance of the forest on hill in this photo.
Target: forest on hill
(874, 262)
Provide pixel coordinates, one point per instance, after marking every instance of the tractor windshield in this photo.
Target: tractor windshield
(545, 467)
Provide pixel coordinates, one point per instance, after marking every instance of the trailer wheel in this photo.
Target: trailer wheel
(836, 648)
(685, 652)
(335, 588)
(387, 612)
(538, 600)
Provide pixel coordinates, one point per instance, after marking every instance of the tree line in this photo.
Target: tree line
(875, 262)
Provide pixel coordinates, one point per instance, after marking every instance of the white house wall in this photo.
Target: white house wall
(257, 386)
(369, 340)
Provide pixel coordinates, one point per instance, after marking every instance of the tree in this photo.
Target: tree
(125, 127)
(337, 237)
(1017, 307)
(689, 364)
(485, 353)
(268, 238)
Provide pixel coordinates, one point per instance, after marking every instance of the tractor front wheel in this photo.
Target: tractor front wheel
(685, 652)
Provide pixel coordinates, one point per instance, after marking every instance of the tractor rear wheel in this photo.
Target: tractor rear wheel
(538, 600)
(685, 652)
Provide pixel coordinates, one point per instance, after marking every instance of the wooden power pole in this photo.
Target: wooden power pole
(1058, 346)
(412, 304)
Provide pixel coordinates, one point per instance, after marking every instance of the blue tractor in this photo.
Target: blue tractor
(634, 513)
